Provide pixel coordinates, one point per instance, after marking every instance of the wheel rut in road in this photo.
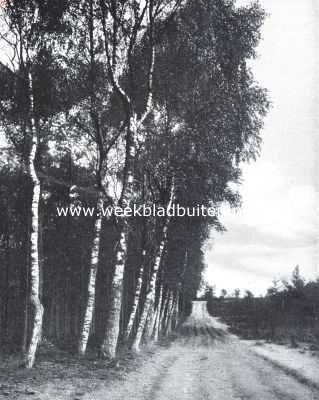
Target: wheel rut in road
(205, 362)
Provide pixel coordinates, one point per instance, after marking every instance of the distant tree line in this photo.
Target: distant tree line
(106, 102)
(288, 313)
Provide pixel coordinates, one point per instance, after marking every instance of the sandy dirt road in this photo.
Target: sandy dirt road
(205, 363)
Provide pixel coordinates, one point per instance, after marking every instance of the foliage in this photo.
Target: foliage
(288, 312)
(98, 68)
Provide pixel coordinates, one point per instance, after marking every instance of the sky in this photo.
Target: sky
(277, 226)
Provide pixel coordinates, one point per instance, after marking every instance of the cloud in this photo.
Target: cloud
(273, 205)
(256, 270)
(275, 230)
(277, 226)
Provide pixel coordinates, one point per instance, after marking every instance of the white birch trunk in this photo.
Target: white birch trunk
(35, 303)
(148, 300)
(88, 315)
(112, 332)
(137, 296)
(150, 321)
(109, 344)
(169, 315)
(174, 321)
(158, 316)
(150, 296)
(165, 316)
(162, 320)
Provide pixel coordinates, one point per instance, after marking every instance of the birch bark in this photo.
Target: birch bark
(170, 309)
(150, 296)
(35, 303)
(136, 300)
(134, 123)
(158, 316)
(101, 171)
(109, 344)
(94, 260)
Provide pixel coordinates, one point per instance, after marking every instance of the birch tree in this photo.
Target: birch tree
(99, 131)
(28, 28)
(123, 27)
(22, 26)
(139, 282)
(150, 295)
(158, 315)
